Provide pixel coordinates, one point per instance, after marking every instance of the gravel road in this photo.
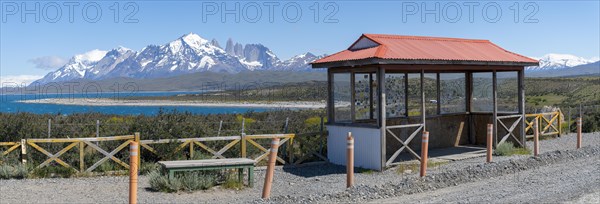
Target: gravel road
(555, 176)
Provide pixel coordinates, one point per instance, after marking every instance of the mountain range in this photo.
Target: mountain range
(188, 54)
(193, 54)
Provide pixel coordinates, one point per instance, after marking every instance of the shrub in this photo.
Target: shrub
(188, 181)
(231, 182)
(147, 167)
(53, 172)
(508, 149)
(13, 171)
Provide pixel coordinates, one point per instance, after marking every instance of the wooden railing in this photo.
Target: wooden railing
(548, 123)
(80, 143)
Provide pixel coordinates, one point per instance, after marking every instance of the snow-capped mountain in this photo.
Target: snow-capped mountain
(188, 54)
(559, 61)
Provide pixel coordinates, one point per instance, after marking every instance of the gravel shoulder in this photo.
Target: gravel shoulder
(557, 175)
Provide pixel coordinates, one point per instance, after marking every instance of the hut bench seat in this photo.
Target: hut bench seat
(211, 164)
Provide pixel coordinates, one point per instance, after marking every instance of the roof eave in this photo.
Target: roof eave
(377, 61)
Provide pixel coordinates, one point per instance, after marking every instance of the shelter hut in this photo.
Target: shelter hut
(388, 89)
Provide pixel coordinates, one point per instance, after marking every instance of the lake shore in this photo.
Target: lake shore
(125, 102)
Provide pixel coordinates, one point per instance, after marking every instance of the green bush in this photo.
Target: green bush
(504, 149)
(13, 171)
(508, 149)
(187, 181)
(53, 172)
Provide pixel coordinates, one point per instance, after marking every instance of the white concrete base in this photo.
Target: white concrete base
(367, 146)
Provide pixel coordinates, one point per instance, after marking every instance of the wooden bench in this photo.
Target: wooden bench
(211, 164)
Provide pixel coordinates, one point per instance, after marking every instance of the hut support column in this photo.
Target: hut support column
(423, 99)
(382, 115)
(495, 111)
(521, 87)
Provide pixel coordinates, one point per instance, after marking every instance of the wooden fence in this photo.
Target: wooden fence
(192, 145)
(548, 123)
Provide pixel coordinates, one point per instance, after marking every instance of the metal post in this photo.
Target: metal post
(579, 132)
(424, 152)
(97, 128)
(243, 139)
(350, 161)
(49, 127)
(286, 125)
(270, 168)
(133, 172)
(221, 126)
(569, 126)
(490, 135)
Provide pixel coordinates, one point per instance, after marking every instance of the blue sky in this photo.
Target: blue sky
(570, 27)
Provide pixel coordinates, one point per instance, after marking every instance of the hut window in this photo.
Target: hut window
(342, 97)
(508, 92)
(430, 90)
(414, 94)
(362, 96)
(395, 102)
(482, 100)
(452, 93)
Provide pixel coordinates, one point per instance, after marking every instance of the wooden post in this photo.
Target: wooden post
(536, 135)
(81, 157)
(495, 108)
(424, 152)
(139, 158)
(489, 143)
(191, 150)
(579, 132)
(133, 171)
(23, 151)
(270, 168)
(521, 91)
(559, 122)
(423, 110)
(350, 161)
(383, 117)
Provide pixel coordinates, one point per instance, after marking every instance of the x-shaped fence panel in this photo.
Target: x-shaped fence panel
(549, 123)
(511, 129)
(11, 147)
(192, 142)
(81, 142)
(265, 152)
(404, 144)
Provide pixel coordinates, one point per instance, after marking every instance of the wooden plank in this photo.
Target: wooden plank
(206, 163)
(108, 155)
(227, 147)
(8, 143)
(147, 147)
(203, 146)
(269, 136)
(15, 146)
(200, 139)
(266, 153)
(54, 157)
(81, 156)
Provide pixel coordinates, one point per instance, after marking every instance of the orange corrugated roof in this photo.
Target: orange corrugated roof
(413, 48)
